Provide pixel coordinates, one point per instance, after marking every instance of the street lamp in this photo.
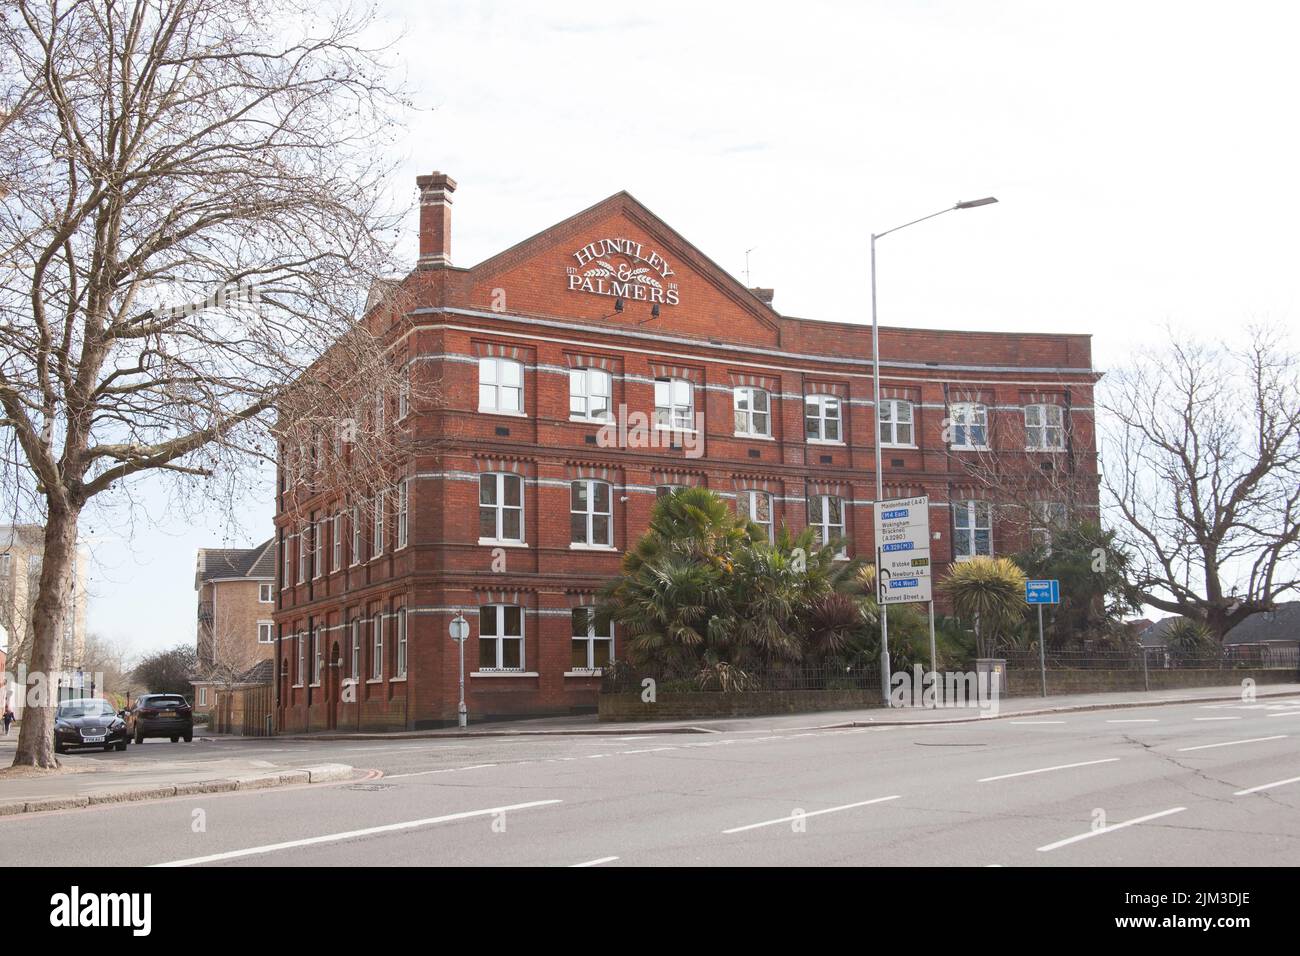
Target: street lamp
(459, 630)
(880, 475)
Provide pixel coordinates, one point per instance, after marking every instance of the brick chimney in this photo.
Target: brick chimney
(764, 295)
(435, 218)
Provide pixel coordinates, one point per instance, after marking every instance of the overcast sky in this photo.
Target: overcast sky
(1144, 155)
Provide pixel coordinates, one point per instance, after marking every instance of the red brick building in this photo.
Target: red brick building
(519, 496)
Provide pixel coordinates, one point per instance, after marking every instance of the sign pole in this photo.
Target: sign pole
(934, 656)
(1042, 654)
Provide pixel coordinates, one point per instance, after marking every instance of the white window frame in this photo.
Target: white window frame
(582, 393)
(203, 697)
(500, 637)
(286, 573)
(670, 413)
(966, 516)
(399, 669)
(377, 646)
(304, 553)
(663, 491)
(403, 512)
(499, 508)
(302, 659)
(745, 501)
(491, 401)
(357, 539)
(816, 408)
(819, 520)
(1039, 434)
(892, 423)
(745, 402)
(267, 589)
(590, 513)
(377, 538)
(968, 416)
(590, 638)
(318, 548)
(1045, 518)
(404, 392)
(317, 654)
(356, 650)
(270, 632)
(336, 542)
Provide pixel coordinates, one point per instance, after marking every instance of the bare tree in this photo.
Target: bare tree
(193, 214)
(1203, 465)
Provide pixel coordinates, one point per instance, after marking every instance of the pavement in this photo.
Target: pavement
(154, 770)
(1006, 707)
(1201, 782)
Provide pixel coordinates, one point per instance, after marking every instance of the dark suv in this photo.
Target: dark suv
(160, 715)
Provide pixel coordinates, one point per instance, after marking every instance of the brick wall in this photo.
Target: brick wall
(718, 335)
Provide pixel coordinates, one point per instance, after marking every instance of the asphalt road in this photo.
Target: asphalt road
(1186, 785)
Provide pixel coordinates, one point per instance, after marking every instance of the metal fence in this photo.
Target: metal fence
(1151, 658)
(624, 678)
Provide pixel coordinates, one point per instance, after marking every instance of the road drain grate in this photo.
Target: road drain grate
(371, 786)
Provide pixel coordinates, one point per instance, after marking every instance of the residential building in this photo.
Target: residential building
(580, 374)
(236, 622)
(21, 549)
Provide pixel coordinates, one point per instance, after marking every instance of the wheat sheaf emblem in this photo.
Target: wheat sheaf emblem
(624, 273)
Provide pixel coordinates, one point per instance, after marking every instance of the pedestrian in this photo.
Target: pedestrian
(9, 710)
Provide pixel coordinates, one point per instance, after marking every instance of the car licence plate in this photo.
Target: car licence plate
(167, 713)
(94, 740)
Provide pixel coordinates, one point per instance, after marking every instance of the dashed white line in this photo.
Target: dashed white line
(649, 750)
(1232, 743)
(603, 859)
(1141, 720)
(1216, 718)
(1026, 723)
(1267, 786)
(1110, 829)
(811, 813)
(1063, 766)
(353, 834)
(1285, 713)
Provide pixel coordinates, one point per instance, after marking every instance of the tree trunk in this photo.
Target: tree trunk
(53, 605)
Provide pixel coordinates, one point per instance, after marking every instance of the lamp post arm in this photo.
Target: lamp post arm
(879, 235)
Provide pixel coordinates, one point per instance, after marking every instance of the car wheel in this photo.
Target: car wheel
(174, 739)
(189, 738)
(121, 746)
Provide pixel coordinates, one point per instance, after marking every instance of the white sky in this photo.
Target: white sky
(1145, 156)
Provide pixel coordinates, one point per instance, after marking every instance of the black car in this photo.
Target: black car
(88, 722)
(160, 715)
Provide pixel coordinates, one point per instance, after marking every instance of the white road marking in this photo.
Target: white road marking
(650, 750)
(1110, 829)
(425, 773)
(1064, 766)
(1216, 718)
(1024, 723)
(603, 859)
(1232, 743)
(352, 834)
(1141, 720)
(1284, 713)
(811, 813)
(1267, 786)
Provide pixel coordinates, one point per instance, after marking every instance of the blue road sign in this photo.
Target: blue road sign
(1043, 592)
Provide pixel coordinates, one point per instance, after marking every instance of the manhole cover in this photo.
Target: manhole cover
(370, 786)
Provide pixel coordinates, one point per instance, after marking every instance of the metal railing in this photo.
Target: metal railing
(1152, 658)
(624, 678)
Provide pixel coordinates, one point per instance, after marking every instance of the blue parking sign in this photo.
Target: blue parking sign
(1043, 592)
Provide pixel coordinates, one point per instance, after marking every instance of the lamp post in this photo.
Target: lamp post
(880, 475)
(459, 630)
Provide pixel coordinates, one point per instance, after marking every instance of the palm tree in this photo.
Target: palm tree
(991, 593)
